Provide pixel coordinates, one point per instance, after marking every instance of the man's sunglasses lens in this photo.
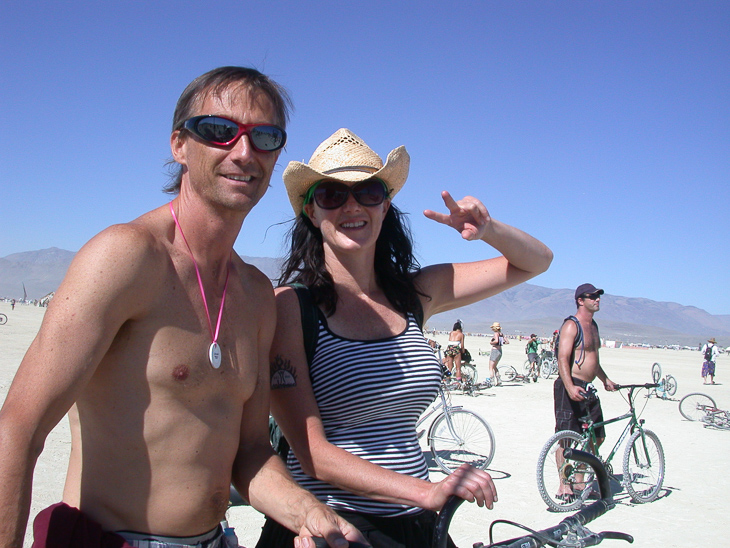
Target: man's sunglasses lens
(332, 194)
(267, 138)
(592, 296)
(221, 131)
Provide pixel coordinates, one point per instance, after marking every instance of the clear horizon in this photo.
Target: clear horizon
(603, 129)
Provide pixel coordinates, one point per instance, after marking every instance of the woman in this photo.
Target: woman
(454, 348)
(497, 341)
(350, 414)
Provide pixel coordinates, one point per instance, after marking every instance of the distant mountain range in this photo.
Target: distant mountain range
(523, 309)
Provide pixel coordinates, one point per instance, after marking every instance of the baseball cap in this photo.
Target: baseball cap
(587, 289)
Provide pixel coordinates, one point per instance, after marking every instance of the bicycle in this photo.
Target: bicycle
(509, 373)
(667, 386)
(3, 319)
(457, 436)
(548, 364)
(571, 531)
(643, 460)
(701, 407)
(528, 370)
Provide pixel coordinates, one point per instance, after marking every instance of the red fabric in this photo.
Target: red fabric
(61, 526)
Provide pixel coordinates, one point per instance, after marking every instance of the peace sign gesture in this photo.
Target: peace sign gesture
(468, 216)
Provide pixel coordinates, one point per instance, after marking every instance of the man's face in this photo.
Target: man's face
(234, 176)
(592, 302)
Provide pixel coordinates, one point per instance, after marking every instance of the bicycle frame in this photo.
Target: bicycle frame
(589, 427)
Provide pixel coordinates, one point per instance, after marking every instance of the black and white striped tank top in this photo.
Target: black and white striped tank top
(370, 395)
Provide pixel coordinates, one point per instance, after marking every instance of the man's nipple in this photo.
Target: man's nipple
(181, 373)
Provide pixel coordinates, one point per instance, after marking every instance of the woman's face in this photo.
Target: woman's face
(350, 227)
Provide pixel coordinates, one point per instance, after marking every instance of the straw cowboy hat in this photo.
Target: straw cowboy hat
(495, 326)
(345, 157)
(712, 340)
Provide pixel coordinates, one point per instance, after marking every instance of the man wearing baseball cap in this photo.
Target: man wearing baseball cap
(579, 365)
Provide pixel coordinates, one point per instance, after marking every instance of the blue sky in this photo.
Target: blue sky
(602, 128)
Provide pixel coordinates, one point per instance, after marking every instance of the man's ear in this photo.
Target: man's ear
(177, 142)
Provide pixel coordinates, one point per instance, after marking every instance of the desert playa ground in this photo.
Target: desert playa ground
(691, 510)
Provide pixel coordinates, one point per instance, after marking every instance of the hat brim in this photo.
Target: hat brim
(298, 176)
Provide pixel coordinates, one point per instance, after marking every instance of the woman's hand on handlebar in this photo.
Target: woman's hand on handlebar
(466, 482)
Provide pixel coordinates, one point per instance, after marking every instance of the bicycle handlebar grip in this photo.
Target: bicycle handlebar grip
(441, 530)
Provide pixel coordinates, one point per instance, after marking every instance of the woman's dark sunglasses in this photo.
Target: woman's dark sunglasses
(333, 194)
(223, 132)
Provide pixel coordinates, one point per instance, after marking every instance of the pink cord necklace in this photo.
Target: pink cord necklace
(214, 350)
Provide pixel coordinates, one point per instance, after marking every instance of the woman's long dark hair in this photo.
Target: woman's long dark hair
(395, 265)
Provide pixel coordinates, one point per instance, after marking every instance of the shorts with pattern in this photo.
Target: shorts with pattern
(708, 368)
(452, 350)
(569, 412)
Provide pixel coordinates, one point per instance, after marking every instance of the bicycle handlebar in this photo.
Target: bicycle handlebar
(571, 523)
(646, 385)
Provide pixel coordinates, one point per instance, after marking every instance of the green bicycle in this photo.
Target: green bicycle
(565, 487)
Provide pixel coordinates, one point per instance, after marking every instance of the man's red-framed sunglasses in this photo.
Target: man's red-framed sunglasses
(223, 132)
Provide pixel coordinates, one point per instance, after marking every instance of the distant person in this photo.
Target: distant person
(12, 304)
(710, 352)
(453, 351)
(160, 334)
(578, 366)
(349, 405)
(531, 349)
(552, 341)
(498, 340)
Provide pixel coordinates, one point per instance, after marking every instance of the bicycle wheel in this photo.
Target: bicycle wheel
(526, 367)
(506, 372)
(643, 466)
(3, 319)
(692, 406)
(469, 372)
(670, 385)
(466, 438)
(555, 475)
(656, 372)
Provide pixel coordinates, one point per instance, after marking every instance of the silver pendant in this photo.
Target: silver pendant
(214, 355)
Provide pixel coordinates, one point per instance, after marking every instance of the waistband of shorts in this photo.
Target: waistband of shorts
(211, 539)
(577, 382)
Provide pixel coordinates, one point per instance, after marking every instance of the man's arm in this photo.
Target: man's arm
(568, 333)
(608, 384)
(95, 298)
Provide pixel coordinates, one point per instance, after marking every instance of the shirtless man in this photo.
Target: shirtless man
(160, 335)
(578, 365)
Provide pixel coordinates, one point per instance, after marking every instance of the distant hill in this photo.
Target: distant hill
(523, 309)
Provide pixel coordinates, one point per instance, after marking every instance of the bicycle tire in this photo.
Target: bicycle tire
(549, 479)
(526, 367)
(670, 385)
(689, 406)
(656, 372)
(469, 373)
(643, 466)
(506, 372)
(546, 367)
(3, 319)
(476, 446)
